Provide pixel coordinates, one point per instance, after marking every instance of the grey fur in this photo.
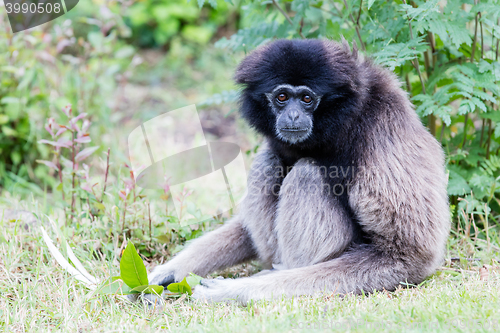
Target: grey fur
(397, 195)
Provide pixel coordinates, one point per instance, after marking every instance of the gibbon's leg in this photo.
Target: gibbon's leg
(311, 224)
(223, 247)
(361, 268)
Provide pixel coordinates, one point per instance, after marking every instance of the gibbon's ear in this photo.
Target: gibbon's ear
(249, 67)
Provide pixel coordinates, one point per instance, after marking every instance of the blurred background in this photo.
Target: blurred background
(72, 90)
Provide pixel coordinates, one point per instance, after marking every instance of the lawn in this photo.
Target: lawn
(36, 294)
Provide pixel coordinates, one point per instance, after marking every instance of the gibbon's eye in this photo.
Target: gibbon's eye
(307, 98)
(282, 97)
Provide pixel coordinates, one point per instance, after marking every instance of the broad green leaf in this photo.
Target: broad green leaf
(132, 269)
(180, 287)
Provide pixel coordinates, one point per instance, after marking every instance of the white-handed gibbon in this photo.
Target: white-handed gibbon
(348, 195)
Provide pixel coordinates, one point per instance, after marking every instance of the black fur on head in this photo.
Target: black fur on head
(329, 69)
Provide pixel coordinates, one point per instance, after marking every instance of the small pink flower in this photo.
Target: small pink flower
(123, 195)
(166, 184)
(85, 125)
(129, 185)
(86, 187)
(67, 110)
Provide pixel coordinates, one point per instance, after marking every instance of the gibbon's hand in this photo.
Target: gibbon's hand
(162, 275)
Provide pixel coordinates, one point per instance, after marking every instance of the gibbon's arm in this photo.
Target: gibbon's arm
(226, 246)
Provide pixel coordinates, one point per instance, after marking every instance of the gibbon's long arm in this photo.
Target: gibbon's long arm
(227, 246)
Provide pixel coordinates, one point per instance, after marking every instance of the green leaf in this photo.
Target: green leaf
(125, 52)
(457, 185)
(99, 205)
(132, 269)
(370, 3)
(193, 280)
(466, 106)
(9, 100)
(180, 287)
(4, 119)
(148, 289)
(459, 33)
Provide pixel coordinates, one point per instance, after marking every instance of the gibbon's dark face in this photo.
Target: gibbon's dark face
(293, 107)
(299, 92)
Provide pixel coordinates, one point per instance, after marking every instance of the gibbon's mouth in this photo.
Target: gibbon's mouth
(288, 129)
(294, 134)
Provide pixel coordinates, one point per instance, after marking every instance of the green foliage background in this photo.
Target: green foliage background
(445, 53)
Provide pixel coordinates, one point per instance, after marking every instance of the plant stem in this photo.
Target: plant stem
(482, 37)
(60, 172)
(427, 63)
(150, 229)
(490, 132)
(442, 131)
(408, 83)
(465, 129)
(73, 134)
(356, 26)
(475, 35)
(482, 133)
(287, 17)
(498, 41)
(359, 12)
(124, 214)
(105, 176)
(432, 42)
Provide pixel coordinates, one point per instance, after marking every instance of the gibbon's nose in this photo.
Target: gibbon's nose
(293, 115)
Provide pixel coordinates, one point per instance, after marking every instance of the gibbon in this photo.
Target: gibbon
(348, 193)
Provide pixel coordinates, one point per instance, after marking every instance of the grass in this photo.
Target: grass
(36, 294)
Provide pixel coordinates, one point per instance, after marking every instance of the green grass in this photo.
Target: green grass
(36, 294)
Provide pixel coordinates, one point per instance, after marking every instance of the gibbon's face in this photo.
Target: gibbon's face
(293, 107)
(299, 92)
